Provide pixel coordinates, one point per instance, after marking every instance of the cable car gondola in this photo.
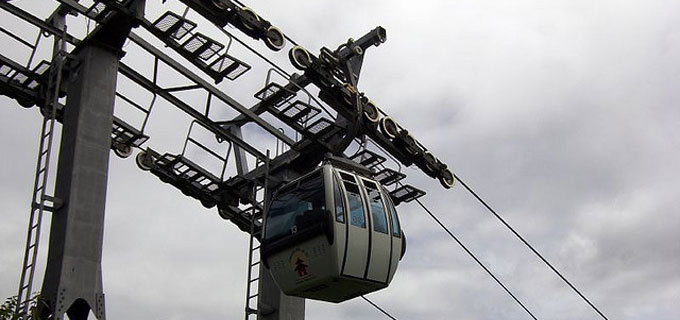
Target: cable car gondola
(332, 234)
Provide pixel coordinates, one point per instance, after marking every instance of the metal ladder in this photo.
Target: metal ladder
(254, 261)
(41, 201)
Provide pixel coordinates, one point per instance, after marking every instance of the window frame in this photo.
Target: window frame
(369, 199)
(292, 187)
(394, 215)
(350, 197)
(339, 200)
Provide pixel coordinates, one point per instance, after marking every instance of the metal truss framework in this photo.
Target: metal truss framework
(344, 116)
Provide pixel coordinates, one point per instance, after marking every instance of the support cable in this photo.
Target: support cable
(476, 259)
(531, 248)
(461, 244)
(379, 308)
(229, 34)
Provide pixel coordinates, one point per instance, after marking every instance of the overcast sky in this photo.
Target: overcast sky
(563, 115)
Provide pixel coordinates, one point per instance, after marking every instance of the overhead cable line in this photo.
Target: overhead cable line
(531, 247)
(379, 308)
(476, 259)
(229, 34)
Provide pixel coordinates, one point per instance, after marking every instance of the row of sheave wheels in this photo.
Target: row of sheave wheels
(145, 162)
(302, 59)
(391, 130)
(273, 36)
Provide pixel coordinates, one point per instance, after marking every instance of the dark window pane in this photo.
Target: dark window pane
(396, 230)
(351, 187)
(339, 204)
(347, 177)
(377, 208)
(356, 209)
(289, 207)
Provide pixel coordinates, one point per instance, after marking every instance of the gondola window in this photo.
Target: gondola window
(356, 205)
(339, 205)
(288, 210)
(356, 209)
(396, 230)
(377, 208)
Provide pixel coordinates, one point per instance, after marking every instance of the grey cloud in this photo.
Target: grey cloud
(563, 115)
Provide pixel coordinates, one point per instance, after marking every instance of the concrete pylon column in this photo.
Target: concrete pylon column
(73, 279)
(273, 304)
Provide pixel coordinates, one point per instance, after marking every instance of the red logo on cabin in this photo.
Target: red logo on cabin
(299, 263)
(300, 267)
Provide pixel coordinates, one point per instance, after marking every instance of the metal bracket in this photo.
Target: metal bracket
(56, 203)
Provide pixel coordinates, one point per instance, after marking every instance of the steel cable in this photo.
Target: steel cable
(379, 308)
(476, 259)
(531, 247)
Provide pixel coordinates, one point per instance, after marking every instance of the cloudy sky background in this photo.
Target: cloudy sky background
(563, 115)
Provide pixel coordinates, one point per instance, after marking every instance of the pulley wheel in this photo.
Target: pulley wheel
(300, 57)
(275, 39)
(410, 143)
(220, 4)
(447, 179)
(389, 127)
(122, 150)
(430, 161)
(208, 203)
(371, 112)
(249, 18)
(143, 161)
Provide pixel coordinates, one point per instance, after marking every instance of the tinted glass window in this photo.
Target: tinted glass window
(346, 176)
(289, 208)
(377, 208)
(396, 230)
(356, 209)
(357, 216)
(339, 204)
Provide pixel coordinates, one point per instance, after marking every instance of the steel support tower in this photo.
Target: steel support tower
(73, 279)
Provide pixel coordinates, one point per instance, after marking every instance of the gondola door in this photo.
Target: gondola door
(356, 251)
(381, 241)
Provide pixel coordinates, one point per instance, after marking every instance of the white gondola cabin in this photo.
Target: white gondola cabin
(332, 234)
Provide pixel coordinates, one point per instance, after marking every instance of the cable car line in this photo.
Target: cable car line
(530, 247)
(379, 308)
(308, 221)
(475, 258)
(229, 34)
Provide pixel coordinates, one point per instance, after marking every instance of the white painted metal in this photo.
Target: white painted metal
(362, 253)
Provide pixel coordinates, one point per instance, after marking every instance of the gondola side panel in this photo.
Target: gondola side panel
(305, 268)
(356, 258)
(397, 234)
(380, 244)
(336, 204)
